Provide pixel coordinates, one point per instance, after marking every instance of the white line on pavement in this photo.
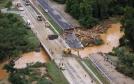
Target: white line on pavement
(91, 72)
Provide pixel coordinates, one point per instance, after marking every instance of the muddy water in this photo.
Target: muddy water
(31, 57)
(110, 38)
(3, 73)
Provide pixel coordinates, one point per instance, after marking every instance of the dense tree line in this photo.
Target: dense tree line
(126, 61)
(125, 53)
(14, 36)
(60, 1)
(27, 75)
(128, 24)
(89, 12)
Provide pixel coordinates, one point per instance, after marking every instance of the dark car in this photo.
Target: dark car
(39, 18)
(52, 37)
(27, 3)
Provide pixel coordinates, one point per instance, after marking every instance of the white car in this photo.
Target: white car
(46, 10)
(28, 22)
(21, 9)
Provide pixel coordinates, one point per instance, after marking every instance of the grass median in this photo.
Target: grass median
(103, 79)
(56, 74)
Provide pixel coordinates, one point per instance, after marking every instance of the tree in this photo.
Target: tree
(128, 24)
(15, 38)
(8, 4)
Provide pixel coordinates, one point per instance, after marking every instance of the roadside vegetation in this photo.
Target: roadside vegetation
(125, 52)
(95, 71)
(5, 3)
(56, 74)
(15, 38)
(39, 73)
(36, 73)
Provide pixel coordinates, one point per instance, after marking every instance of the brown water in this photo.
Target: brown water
(3, 73)
(110, 38)
(31, 57)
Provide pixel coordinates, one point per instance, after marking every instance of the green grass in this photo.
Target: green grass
(55, 73)
(56, 26)
(96, 71)
(32, 38)
(3, 3)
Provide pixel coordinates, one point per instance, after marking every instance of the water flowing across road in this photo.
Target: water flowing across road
(31, 57)
(110, 38)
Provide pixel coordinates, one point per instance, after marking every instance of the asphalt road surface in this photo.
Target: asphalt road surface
(74, 72)
(71, 39)
(55, 15)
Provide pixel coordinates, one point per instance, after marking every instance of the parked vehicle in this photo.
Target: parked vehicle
(27, 3)
(28, 22)
(52, 37)
(39, 18)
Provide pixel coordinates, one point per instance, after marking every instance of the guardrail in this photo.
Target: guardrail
(101, 71)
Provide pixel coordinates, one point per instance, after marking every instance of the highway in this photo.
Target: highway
(71, 39)
(55, 15)
(73, 72)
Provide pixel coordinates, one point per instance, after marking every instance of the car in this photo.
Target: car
(27, 3)
(18, 4)
(46, 10)
(39, 18)
(52, 37)
(28, 22)
(21, 9)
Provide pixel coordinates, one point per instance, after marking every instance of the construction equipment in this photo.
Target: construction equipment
(67, 51)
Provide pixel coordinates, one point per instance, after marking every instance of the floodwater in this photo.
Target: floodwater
(3, 73)
(31, 57)
(110, 38)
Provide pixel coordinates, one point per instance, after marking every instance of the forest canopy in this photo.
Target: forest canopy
(15, 38)
(89, 12)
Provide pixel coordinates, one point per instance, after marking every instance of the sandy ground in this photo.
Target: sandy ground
(61, 9)
(31, 57)
(110, 38)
